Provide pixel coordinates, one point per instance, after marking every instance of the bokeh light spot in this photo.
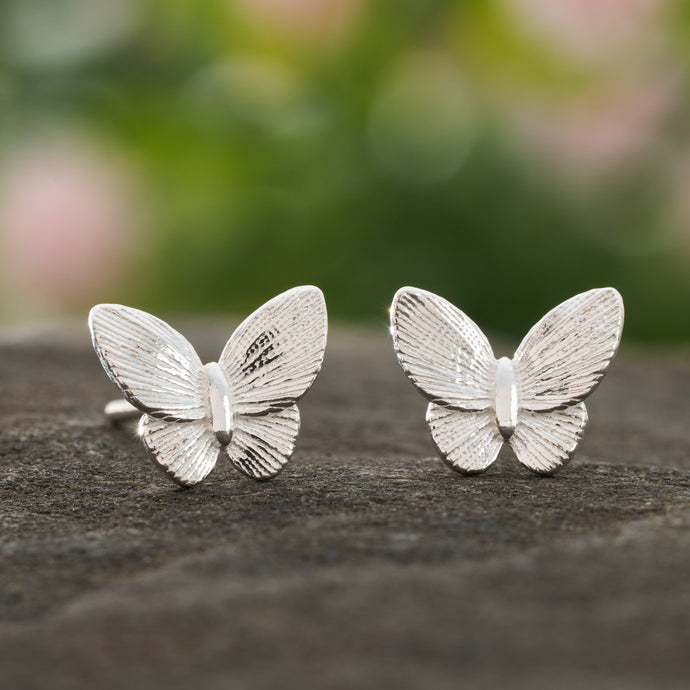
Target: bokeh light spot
(67, 218)
(421, 123)
(50, 33)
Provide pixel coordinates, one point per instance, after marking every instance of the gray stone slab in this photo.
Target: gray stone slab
(366, 563)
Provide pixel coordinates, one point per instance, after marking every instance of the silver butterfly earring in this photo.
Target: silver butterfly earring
(242, 406)
(532, 401)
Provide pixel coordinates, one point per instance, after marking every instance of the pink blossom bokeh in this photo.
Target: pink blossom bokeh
(591, 30)
(601, 133)
(67, 220)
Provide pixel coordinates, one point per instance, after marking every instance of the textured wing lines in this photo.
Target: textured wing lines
(275, 354)
(260, 353)
(467, 441)
(545, 441)
(156, 368)
(443, 351)
(269, 393)
(262, 444)
(566, 354)
(266, 354)
(186, 451)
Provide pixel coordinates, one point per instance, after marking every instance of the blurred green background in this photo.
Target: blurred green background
(203, 155)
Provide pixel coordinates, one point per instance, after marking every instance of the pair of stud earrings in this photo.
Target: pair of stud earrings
(244, 405)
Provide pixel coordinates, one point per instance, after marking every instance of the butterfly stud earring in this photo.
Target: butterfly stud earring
(532, 401)
(242, 406)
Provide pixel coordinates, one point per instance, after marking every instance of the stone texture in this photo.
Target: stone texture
(366, 563)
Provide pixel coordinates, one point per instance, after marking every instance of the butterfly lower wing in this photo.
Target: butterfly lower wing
(467, 441)
(442, 351)
(273, 357)
(545, 441)
(154, 366)
(261, 445)
(186, 451)
(565, 355)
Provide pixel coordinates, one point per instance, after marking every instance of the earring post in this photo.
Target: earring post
(120, 410)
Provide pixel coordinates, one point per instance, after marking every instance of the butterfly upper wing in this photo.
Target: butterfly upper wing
(154, 366)
(545, 441)
(261, 445)
(273, 357)
(442, 350)
(186, 451)
(565, 355)
(467, 441)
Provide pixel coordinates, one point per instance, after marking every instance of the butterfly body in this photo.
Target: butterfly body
(506, 398)
(219, 403)
(242, 406)
(532, 401)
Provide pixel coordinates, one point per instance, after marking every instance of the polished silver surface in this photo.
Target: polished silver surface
(506, 398)
(242, 406)
(532, 401)
(219, 403)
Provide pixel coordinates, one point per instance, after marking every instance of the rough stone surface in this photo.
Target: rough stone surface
(365, 564)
